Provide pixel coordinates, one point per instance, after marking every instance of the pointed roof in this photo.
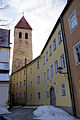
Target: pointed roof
(23, 24)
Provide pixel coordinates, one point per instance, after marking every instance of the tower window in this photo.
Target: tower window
(20, 35)
(26, 35)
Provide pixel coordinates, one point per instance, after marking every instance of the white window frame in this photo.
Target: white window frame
(44, 76)
(52, 71)
(38, 79)
(30, 83)
(20, 95)
(24, 95)
(75, 53)
(39, 95)
(63, 64)
(24, 72)
(47, 74)
(74, 17)
(31, 70)
(16, 95)
(38, 64)
(16, 85)
(46, 94)
(50, 50)
(63, 89)
(30, 96)
(43, 60)
(24, 82)
(54, 44)
(56, 66)
(46, 55)
(20, 84)
(59, 36)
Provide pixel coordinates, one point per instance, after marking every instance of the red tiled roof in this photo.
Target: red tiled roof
(23, 24)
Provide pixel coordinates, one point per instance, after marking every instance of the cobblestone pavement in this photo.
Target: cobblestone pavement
(22, 114)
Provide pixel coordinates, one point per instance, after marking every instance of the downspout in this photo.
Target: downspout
(26, 85)
(68, 67)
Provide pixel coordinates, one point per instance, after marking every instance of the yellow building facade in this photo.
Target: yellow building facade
(44, 81)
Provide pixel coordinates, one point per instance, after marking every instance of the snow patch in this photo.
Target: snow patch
(4, 110)
(49, 112)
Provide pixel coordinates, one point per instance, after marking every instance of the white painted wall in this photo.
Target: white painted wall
(4, 55)
(4, 90)
(4, 66)
(4, 77)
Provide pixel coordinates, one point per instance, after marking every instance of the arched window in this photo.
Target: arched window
(20, 35)
(26, 35)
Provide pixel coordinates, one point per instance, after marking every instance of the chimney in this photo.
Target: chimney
(26, 61)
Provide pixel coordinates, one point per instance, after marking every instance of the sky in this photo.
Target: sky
(40, 14)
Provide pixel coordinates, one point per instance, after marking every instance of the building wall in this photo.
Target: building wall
(72, 38)
(54, 81)
(4, 55)
(22, 48)
(17, 89)
(4, 92)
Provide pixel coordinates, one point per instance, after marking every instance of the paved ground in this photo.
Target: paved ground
(21, 114)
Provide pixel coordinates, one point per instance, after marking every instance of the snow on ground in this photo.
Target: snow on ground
(3, 110)
(52, 113)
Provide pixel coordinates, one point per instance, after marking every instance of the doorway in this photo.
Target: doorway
(52, 97)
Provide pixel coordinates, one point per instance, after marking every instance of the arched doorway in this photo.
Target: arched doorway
(52, 97)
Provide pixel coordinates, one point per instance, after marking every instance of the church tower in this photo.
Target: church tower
(22, 53)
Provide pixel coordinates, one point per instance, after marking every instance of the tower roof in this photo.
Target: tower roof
(23, 24)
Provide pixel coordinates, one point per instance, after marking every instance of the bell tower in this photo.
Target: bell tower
(22, 52)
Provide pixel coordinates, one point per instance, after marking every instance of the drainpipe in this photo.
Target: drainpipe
(68, 67)
(26, 84)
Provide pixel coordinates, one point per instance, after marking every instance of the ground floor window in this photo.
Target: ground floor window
(39, 95)
(63, 89)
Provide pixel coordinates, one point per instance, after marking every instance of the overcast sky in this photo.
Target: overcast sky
(40, 14)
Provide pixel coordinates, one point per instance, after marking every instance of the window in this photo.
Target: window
(38, 79)
(50, 50)
(17, 76)
(16, 95)
(14, 77)
(47, 74)
(72, 21)
(20, 95)
(51, 70)
(38, 64)
(20, 74)
(44, 76)
(47, 56)
(20, 35)
(46, 94)
(59, 35)
(30, 96)
(24, 95)
(20, 84)
(76, 49)
(63, 90)
(54, 44)
(26, 35)
(56, 66)
(24, 83)
(30, 70)
(16, 85)
(62, 61)
(24, 72)
(43, 60)
(30, 83)
(39, 95)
